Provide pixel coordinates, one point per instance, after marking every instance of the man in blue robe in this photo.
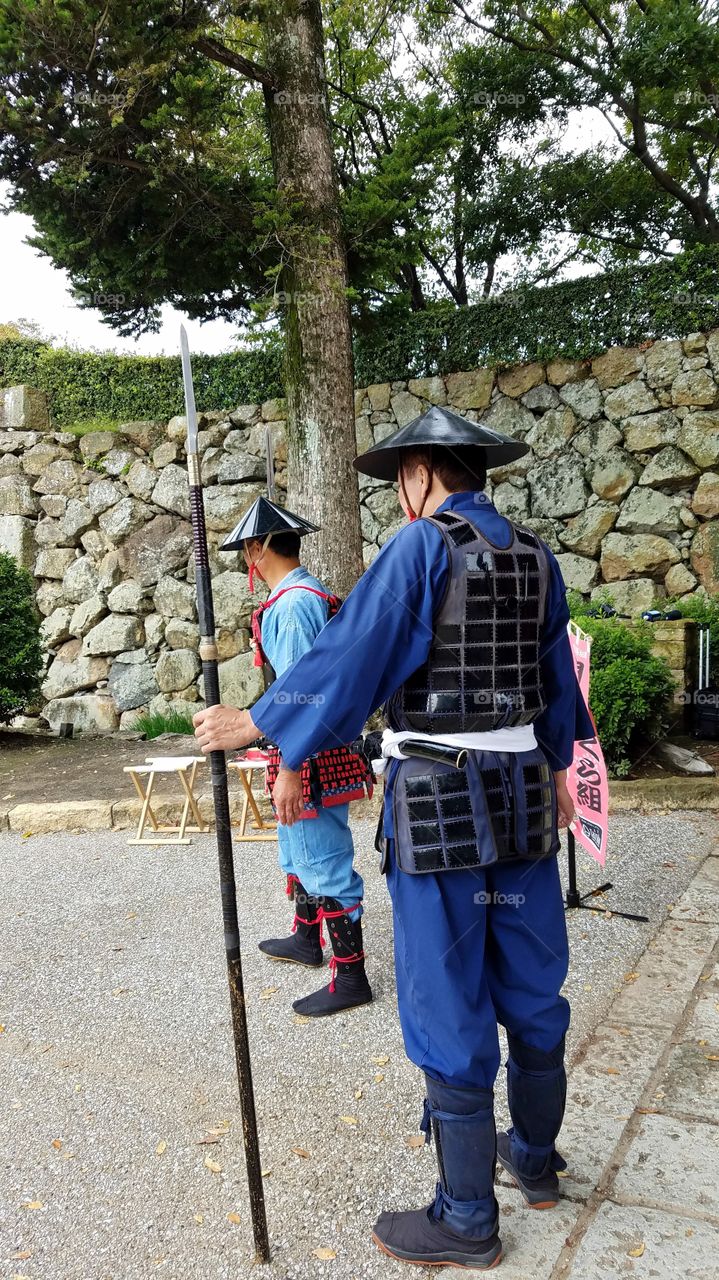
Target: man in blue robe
(316, 853)
(459, 626)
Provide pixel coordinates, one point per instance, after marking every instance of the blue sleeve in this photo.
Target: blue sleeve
(382, 633)
(565, 718)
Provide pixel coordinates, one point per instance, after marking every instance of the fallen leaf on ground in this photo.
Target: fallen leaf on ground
(301, 1017)
(417, 1140)
(348, 1119)
(637, 1252)
(2, 1026)
(324, 1254)
(382, 1060)
(120, 991)
(631, 977)
(212, 1165)
(22, 1257)
(613, 1071)
(234, 1217)
(33, 1204)
(268, 993)
(56, 1143)
(712, 1057)
(562, 1173)
(265, 1172)
(300, 1151)
(358, 1094)
(198, 1218)
(379, 1077)
(161, 1148)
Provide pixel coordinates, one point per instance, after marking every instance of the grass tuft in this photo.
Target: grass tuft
(152, 724)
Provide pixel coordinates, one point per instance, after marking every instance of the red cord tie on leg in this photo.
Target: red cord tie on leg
(337, 960)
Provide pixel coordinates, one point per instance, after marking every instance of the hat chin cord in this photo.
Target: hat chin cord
(253, 566)
(411, 513)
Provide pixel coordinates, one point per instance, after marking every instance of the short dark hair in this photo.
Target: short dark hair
(286, 544)
(460, 467)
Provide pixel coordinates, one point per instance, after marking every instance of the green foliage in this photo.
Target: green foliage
(144, 158)
(20, 651)
(91, 386)
(575, 319)
(101, 422)
(629, 690)
(702, 609)
(155, 723)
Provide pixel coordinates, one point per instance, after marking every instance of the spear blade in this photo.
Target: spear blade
(190, 410)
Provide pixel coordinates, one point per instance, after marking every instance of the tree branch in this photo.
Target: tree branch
(220, 53)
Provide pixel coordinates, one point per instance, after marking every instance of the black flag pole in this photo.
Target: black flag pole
(218, 767)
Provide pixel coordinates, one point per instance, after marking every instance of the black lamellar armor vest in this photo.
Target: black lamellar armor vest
(483, 671)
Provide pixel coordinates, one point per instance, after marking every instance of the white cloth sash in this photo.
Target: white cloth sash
(518, 738)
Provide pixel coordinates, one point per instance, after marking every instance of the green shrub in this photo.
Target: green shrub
(152, 724)
(20, 651)
(629, 690)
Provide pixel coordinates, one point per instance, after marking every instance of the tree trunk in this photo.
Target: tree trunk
(319, 373)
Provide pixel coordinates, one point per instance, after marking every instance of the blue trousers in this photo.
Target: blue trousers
(320, 852)
(474, 948)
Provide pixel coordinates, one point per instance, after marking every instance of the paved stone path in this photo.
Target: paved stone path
(116, 1064)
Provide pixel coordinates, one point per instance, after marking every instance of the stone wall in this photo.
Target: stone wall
(622, 482)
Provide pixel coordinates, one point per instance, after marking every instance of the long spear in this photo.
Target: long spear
(208, 655)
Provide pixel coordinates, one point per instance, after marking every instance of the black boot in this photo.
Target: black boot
(537, 1090)
(304, 945)
(348, 987)
(460, 1228)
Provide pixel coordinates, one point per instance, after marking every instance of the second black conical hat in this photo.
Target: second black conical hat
(263, 518)
(439, 426)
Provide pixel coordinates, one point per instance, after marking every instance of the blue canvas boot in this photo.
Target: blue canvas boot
(460, 1228)
(537, 1091)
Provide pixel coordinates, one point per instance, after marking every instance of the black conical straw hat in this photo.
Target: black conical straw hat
(264, 517)
(439, 426)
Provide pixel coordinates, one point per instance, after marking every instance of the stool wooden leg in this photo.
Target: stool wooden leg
(190, 801)
(247, 793)
(145, 797)
(253, 803)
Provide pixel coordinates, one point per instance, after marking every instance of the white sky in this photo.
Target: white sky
(32, 288)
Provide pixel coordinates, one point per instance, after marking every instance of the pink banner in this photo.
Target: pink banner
(587, 775)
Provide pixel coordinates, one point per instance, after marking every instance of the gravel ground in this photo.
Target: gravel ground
(117, 1059)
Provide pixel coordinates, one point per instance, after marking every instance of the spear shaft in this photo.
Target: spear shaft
(218, 768)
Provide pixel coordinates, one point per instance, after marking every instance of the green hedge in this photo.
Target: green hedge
(83, 385)
(574, 319)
